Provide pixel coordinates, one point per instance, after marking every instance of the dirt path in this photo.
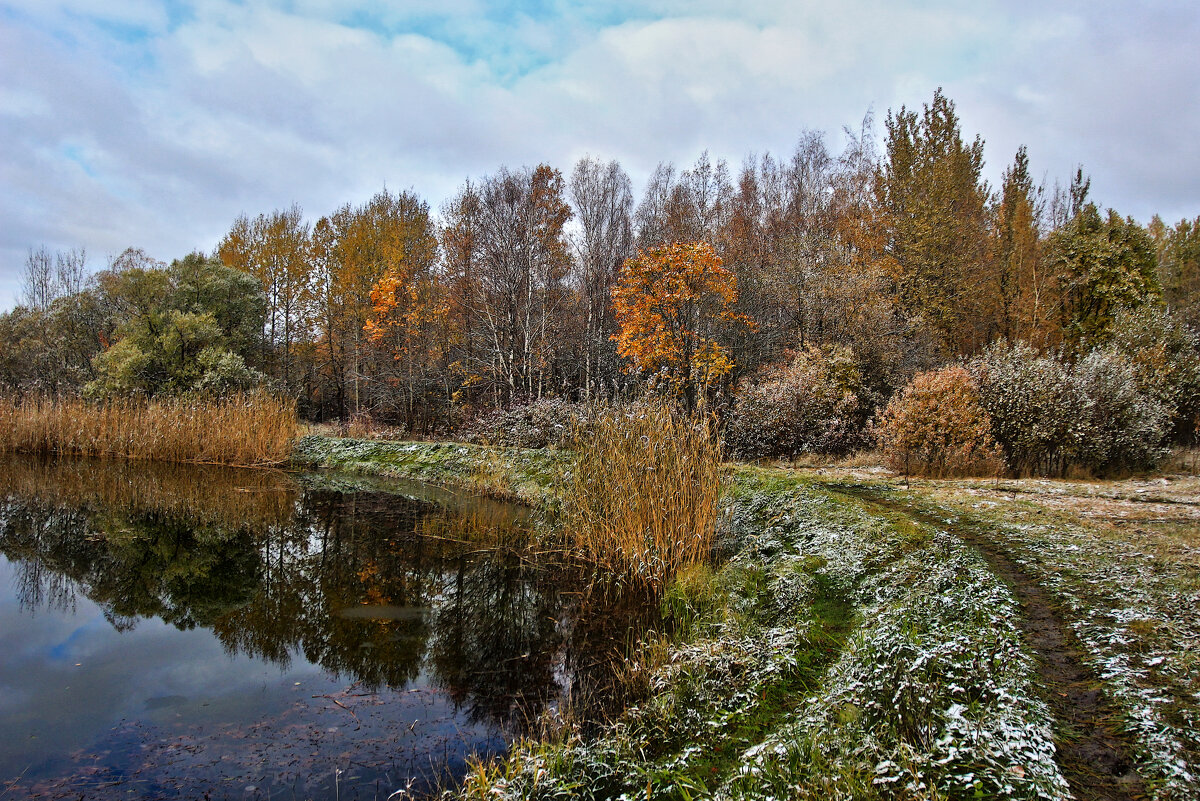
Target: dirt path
(1095, 757)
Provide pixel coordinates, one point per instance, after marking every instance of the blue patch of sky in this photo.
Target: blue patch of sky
(492, 38)
(76, 155)
(178, 13)
(131, 45)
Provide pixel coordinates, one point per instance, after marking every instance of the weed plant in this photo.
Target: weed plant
(640, 500)
(253, 429)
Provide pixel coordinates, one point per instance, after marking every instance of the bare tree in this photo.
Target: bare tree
(506, 236)
(602, 197)
(37, 282)
(48, 277)
(70, 271)
(690, 206)
(653, 213)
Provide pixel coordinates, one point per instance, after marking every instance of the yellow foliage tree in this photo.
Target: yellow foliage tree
(408, 311)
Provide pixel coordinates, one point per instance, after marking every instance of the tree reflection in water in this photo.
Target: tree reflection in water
(374, 587)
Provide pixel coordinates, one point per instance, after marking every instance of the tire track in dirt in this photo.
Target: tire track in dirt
(1095, 757)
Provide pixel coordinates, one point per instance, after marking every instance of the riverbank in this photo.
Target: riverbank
(856, 638)
(516, 474)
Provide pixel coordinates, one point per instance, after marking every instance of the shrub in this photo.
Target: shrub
(1120, 427)
(937, 427)
(815, 403)
(1166, 359)
(537, 424)
(1099, 415)
(641, 497)
(1034, 406)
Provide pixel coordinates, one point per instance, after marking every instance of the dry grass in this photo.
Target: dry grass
(250, 430)
(1183, 460)
(641, 498)
(490, 475)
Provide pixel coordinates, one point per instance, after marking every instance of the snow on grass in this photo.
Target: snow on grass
(1127, 570)
(853, 655)
(933, 696)
(521, 474)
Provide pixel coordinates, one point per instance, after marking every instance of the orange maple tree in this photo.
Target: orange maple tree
(669, 302)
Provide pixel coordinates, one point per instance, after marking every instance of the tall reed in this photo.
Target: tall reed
(641, 498)
(252, 429)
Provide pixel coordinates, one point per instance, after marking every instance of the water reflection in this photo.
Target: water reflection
(380, 590)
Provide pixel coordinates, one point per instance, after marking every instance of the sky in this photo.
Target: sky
(155, 124)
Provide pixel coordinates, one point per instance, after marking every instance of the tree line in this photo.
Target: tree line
(532, 284)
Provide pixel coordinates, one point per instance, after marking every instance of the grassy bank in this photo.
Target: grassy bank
(855, 639)
(246, 430)
(837, 652)
(528, 476)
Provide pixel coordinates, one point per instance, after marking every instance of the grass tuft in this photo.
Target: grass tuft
(641, 497)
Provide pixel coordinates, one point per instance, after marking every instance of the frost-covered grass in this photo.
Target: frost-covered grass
(934, 697)
(513, 473)
(840, 650)
(1123, 559)
(839, 653)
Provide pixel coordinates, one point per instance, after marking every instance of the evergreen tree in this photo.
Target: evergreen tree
(1104, 265)
(935, 210)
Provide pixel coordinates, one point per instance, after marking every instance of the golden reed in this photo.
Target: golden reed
(641, 499)
(251, 430)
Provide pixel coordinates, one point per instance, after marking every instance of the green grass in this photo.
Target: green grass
(516, 474)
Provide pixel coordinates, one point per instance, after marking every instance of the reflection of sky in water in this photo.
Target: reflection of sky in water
(69, 682)
(166, 631)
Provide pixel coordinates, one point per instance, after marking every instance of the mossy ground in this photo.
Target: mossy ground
(524, 475)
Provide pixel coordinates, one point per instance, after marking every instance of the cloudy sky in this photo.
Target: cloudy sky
(154, 124)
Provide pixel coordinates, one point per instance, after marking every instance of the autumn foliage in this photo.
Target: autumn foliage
(791, 295)
(937, 427)
(669, 303)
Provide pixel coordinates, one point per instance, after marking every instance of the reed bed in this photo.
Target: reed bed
(641, 498)
(250, 430)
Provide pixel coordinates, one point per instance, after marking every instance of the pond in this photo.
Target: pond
(182, 632)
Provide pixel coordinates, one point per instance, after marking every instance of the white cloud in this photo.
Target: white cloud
(135, 13)
(161, 137)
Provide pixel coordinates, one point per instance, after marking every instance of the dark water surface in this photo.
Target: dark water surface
(182, 632)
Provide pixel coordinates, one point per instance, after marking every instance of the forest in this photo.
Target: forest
(821, 302)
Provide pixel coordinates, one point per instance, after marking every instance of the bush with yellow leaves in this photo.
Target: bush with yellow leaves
(936, 427)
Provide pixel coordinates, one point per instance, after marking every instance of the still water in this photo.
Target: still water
(181, 632)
